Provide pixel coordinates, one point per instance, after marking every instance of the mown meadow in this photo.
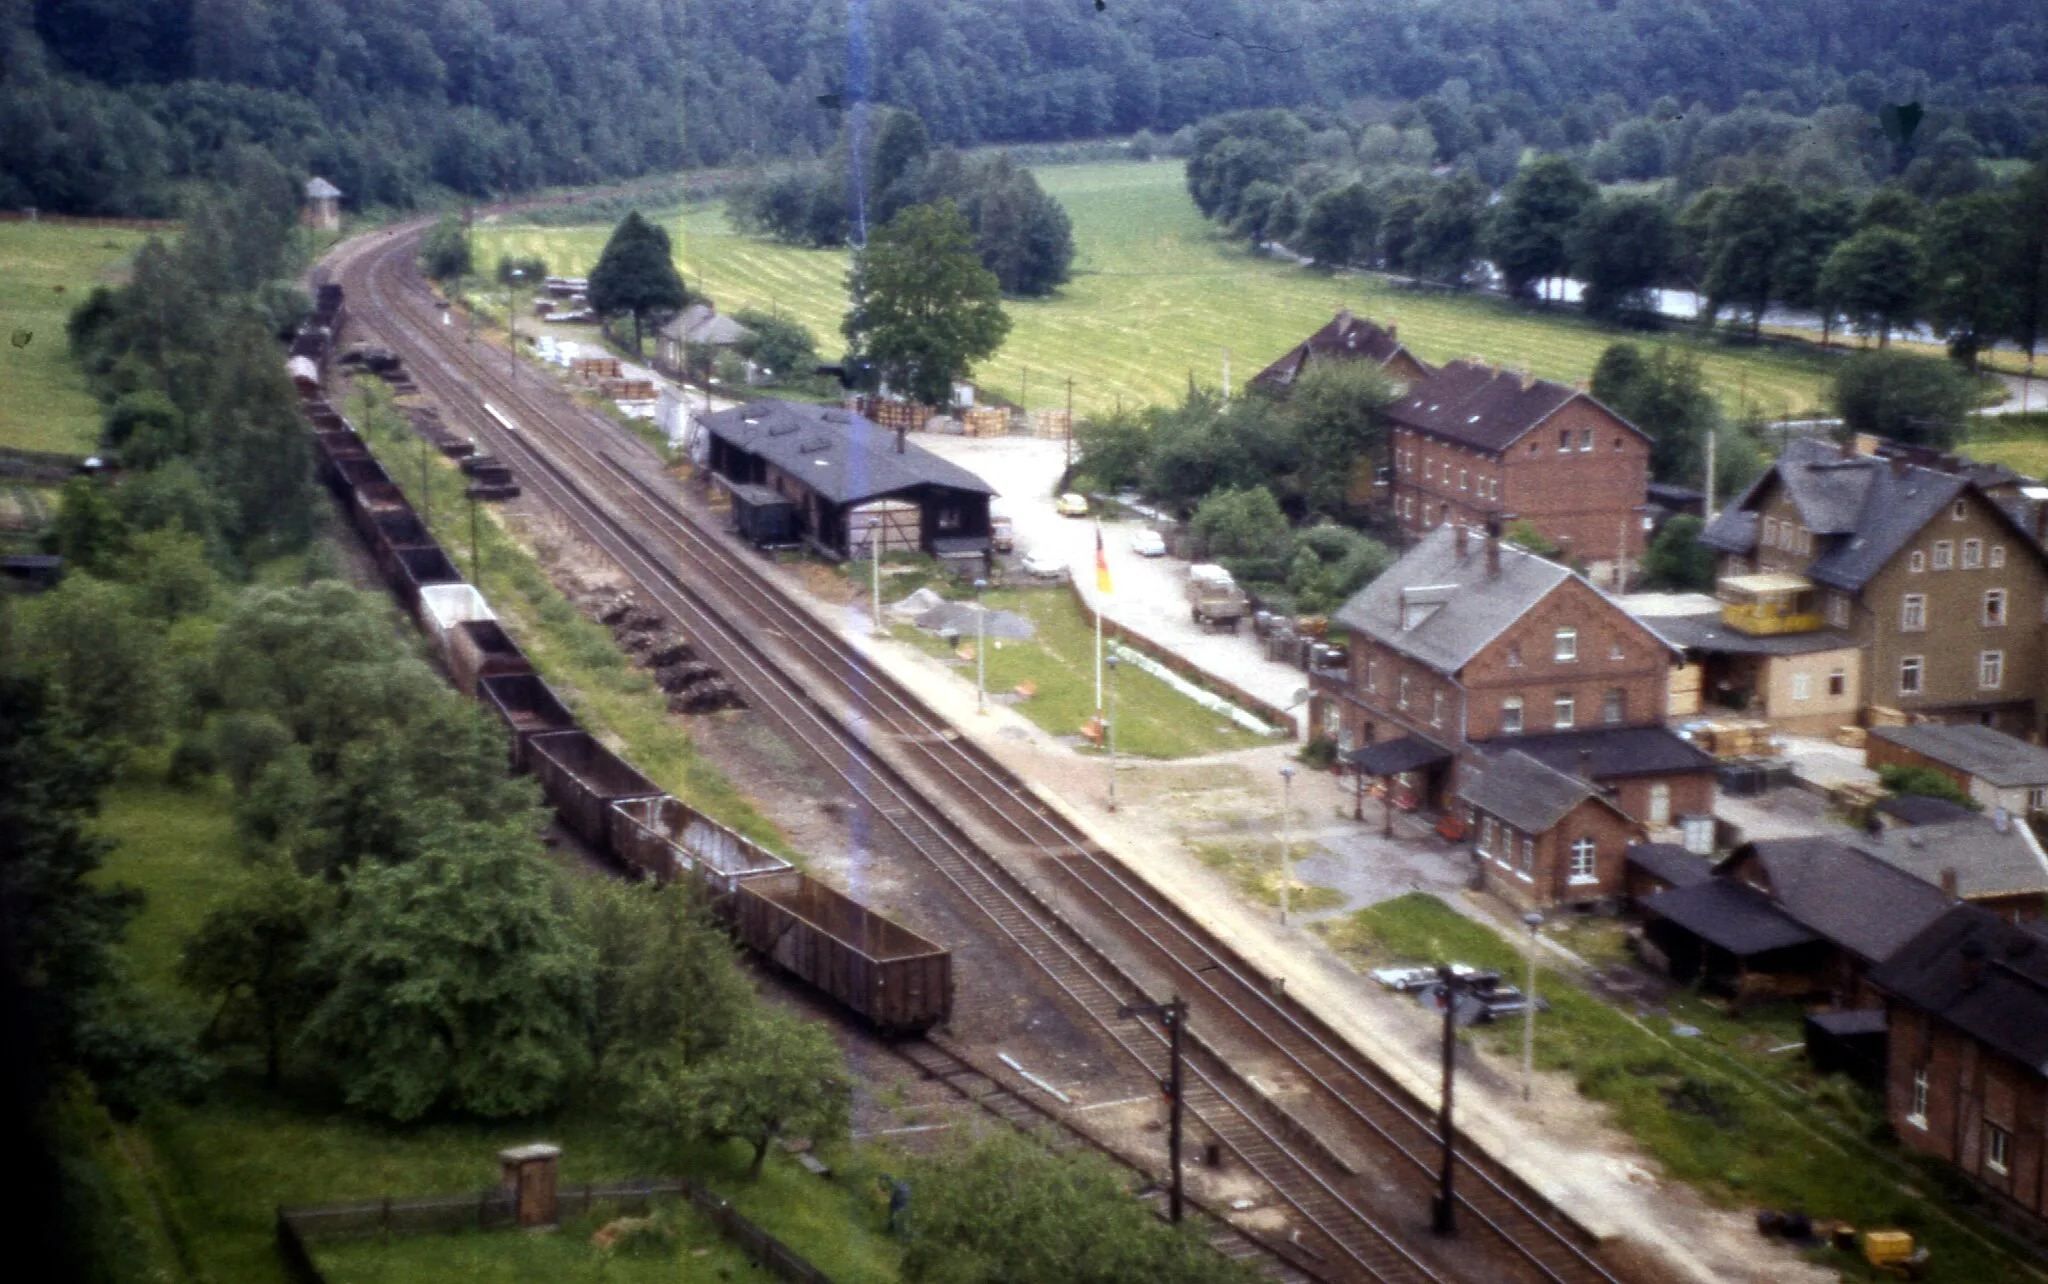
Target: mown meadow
(46, 270)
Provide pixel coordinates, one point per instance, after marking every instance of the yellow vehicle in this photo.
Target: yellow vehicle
(1072, 505)
(1894, 1253)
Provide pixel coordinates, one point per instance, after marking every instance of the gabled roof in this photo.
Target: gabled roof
(1988, 861)
(1732, 915)
(1345, 338)
(701, 323)
(843, 456)
(1613, 752)
(1670, 862)
(1487, 409)
(1461, 607)
(1917, 809)
(1991, 756)
(1867, 509)
(1982, 975)
(1523, 792)
(1852, 898)
(319, 189)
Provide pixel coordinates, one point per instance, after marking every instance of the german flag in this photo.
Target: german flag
(1101, 563)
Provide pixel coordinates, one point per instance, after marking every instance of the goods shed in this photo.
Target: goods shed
(848, 481)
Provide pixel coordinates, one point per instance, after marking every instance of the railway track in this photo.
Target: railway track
(877, 737)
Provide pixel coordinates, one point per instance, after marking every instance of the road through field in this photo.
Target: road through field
(1157, 296)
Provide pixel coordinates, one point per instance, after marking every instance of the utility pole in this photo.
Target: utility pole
(1713, 444)
(1070, 423)
(1174, 1014)
(1286, 806)
(1534, 921)
(476, 575)
(1111, 661)
(1444, 1209)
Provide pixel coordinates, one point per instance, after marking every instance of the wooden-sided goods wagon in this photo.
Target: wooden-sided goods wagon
(581, 779)
(900, 982)
(665, 839)
(528, 707)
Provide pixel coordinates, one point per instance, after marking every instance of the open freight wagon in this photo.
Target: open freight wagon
(665, 839)
(581, 779)
(900, 982)
(528, 707)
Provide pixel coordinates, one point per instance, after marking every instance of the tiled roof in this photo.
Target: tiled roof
(1991, 756)
(1708, 633)
(1852, 898)
(1523, 792)
(843, 456)
(1732, 915)
(701, 323)
(1482, 407)
(1916, 809)
(1346, 337)
(1614, 752)
(1670, 862)
(1472, 607)
(1982, 975)
(1988, 861)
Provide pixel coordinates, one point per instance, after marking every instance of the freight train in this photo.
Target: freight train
(888, 975)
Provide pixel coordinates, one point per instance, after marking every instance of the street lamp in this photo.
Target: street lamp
(1535, 921)
(1113, 662)
(980, 648)
(1286, 807)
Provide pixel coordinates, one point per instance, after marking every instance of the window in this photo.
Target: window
(1991, 670)
(1994, 608)
(1463, 477)
(1583, 870)
(1428, 468)
(2037, 800)
(1614, 651)
(1511, 716)
(1805, 540)
(1944, 555)
(1617, 443)
(1838, 610)
(1958, 511)
(1973, 554)
(1485, 847)
(1770, 526)
(1562, 712)
(1660, 804)
(1997, 556)
(1838, 682)
(1909, 675)
(1372, 674)
(1614, 709)
(1528, 854)
(1436, 709)
(1997, 1149)
(1916, 1113)
(1917, 561)
(1585, 439)
(1401, 692)
(1514, 655)
(1564, 439)
(1802, 686)
(1913, 612)
(1567, 645)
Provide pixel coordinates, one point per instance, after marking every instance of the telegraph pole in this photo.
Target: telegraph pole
(1174, 1014)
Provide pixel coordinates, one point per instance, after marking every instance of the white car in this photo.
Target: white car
(1044, 565)
(1147, 542)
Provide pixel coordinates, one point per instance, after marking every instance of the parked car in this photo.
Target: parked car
(1002, 536)
(1146, 542)
(1044, 565)
(1072, 504)
(1406, 980)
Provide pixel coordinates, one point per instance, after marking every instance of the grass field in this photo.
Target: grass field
(2020, 442)
(45, 272)
(1718, 1110)
(698, 1256)
(1156, 295)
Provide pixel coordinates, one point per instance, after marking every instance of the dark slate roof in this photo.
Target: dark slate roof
(1999, 997)
(1866, 509)
(1479, 406)
(1862, 904)
(1523, 792)
(1392, 757)
(1850, 1021)
(1707, 633)
(1616, 751)
(1732, 915)
(1916, 809)
(1987, 860)
(702, 323)
(843, 456)
(1346, 337)
(1670, 862)
(1475, 608)
(1991, 756)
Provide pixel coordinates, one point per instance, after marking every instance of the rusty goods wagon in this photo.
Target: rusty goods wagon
(330, 447)
(581, 779)
(664, 838)
(479, 649)
(528, 707)
(900, 982)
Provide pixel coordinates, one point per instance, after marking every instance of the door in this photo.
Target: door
(1660, 805)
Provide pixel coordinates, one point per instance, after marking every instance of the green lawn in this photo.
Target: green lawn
(45, 272)
(1156, 294)
(1747, 1126)
(2017, 441)
(697, 1256)
(1154, 720)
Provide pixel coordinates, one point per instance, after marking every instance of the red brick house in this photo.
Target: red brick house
(1967, 1005)
(1345, 338)
(1542, 837)
(1469, 645)
(1472, 444)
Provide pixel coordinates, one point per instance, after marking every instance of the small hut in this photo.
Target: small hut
(323, 205)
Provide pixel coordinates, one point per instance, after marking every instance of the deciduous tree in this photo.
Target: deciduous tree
(1621, 249)
(774, 1075)
(1873, 279)
(636, 276)
(1904, 397)
(924, 309)
(1526, 235)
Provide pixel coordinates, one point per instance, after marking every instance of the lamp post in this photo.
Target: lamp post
(1113, 663)
(1175, 1015)
(1535, 921)
(980, 648)
(1286, 807)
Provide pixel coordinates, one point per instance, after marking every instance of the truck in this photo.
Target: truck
(1214, 599)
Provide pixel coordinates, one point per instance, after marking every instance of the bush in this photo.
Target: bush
(1923, 782)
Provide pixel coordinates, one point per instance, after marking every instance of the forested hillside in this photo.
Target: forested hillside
(104, 104)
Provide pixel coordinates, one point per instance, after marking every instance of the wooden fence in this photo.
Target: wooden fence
(298, 1228)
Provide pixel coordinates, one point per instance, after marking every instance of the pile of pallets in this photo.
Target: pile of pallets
(1732, 738)
(1056, 424)
(986, 421)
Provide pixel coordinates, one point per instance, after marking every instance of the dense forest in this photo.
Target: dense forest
(106, 105)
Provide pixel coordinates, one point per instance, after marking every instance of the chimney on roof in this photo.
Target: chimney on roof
(1583, 385)
(1527, 379)
(1343, 319)
(1846, 448)
(1949, 884)
(1973, 963)
(1464, 541)
(1586, 765)
(1493, 548)
(900, 430)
